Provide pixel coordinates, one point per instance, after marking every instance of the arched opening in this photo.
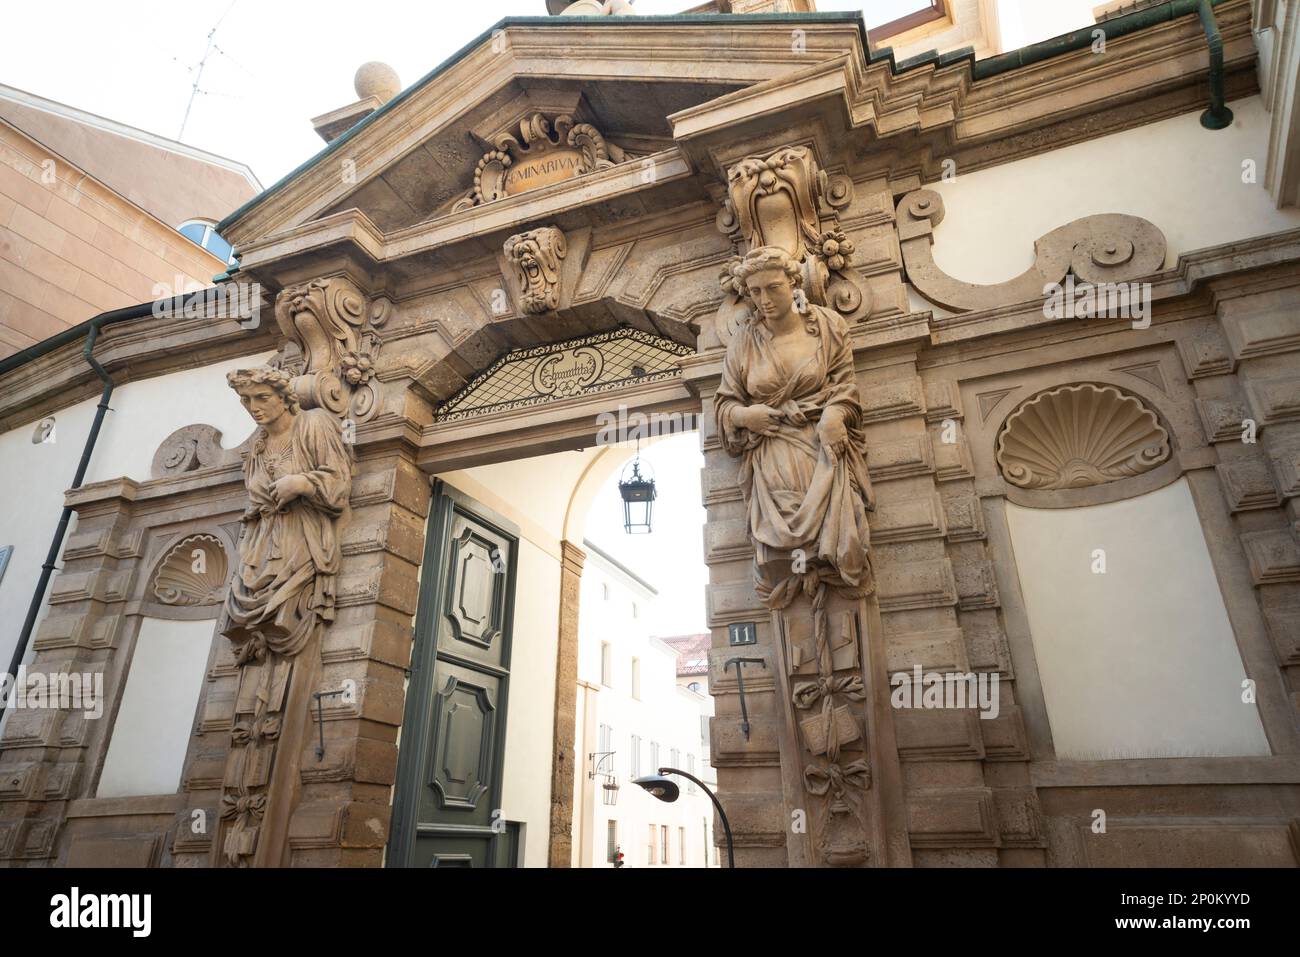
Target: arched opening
(540, 656)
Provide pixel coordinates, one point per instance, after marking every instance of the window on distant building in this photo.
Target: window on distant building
(690, 769)
(681, 845)
(650, 848)
(635, 758)
(890, 18)
(654, 757)
(636, 612)
(611, 840)
(605, 745)
(606, 665)
(663, 842)
(604, 590)
(203, 233)
(636, 678)
(673, 757)
(694, 686)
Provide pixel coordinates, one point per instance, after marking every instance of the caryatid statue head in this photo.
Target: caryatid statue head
(265, 393)
(772, 280)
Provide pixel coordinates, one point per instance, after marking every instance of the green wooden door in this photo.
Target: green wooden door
(446, 808)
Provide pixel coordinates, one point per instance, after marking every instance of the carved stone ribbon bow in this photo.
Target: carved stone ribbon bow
(267, 729)
(820, 780)
(243, 806)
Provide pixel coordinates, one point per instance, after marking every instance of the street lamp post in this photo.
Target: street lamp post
(667, 790)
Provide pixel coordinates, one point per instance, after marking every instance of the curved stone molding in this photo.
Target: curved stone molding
(785, 200)
(1079, 436)
(536, 256)
(193, 572)
(188, 449)
(1107, 248)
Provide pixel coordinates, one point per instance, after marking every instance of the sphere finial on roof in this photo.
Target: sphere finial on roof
(378, 80)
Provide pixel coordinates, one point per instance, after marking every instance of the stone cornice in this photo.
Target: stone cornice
(148, 347)
(128, 351)
(934, 112)
(352, 230)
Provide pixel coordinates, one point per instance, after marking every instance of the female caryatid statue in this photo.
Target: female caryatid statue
(298, 476)
(788, 405)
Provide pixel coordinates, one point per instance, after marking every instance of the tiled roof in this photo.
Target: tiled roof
(692, 652)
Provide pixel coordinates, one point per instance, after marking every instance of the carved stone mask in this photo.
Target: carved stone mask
(536, 256)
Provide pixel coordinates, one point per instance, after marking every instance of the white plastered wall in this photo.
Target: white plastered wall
(146, 753)
(1139, 661)
(1185, 179)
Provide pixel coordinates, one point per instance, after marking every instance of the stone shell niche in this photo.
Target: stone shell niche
(1078, 436)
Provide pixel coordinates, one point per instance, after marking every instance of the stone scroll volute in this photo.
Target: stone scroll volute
(1106, 248)
(331, 344)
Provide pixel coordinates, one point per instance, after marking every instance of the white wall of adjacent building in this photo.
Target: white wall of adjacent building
(1187, 180)
(628, 685)
(34, 476)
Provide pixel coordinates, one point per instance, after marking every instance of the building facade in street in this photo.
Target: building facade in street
(97, 215)
(632, 719)
(996, 367)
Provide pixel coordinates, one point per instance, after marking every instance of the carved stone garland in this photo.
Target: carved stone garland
(1077, 436)
(785, 200)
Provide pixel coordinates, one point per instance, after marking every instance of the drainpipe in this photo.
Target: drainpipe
(1218, 116)
(173, 306)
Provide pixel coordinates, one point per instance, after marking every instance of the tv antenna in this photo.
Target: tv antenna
(207, 52)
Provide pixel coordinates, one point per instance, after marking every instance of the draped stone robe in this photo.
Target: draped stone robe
(288, 557)
(797, 496)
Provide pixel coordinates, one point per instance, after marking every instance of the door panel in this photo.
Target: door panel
(448, 794)
(463, 740)
(471, 624)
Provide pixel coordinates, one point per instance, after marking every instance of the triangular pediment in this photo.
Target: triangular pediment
(416, 157)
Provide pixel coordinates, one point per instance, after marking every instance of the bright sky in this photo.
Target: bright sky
(671, 557)
(272, 67)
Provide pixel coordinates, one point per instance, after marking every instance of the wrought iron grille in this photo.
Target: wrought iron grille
(578, 367)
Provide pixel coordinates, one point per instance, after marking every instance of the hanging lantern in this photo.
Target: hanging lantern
(609, 791)
(638, 494)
